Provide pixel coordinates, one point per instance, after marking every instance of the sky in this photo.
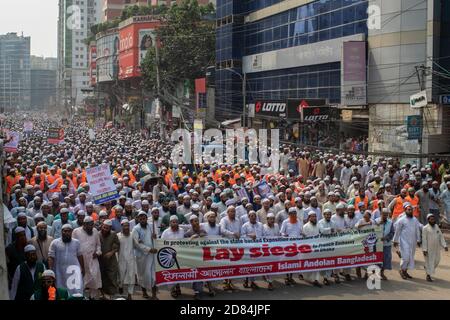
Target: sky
(36, 18)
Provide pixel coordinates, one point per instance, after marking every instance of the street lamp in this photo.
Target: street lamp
(243, 77)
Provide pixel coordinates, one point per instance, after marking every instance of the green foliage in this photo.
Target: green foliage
(187, 46)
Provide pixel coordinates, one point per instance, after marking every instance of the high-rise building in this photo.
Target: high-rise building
(76, 17)
(43, 82)
(14, 71)
(112, 9)
(364, 57)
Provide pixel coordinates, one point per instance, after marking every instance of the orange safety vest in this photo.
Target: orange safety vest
(10, 182)
(415, 203)
(358, 200)
(51, 179)
(398, 207)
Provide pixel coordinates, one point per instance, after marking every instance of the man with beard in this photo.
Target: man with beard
(36, 208)
(27, 276)
(15, 251)
(172, 233)
(396, 205)
(284, 213)
(164, 210)
(127, 262)
(351, 218)
(407, 234)
(65, 258)
(109, 266)
(57, 224)
(48, 290)
(424, 202)
(42, 243)
(435, 202)
(388, 235)
(186, 207)
(196, 231)
(78, 223)
(155, 220)
(90, 211)
(262, 213)
(173, 212)
(211, 227)
(144, 236)
(90, 250)
(432, 241)
(311, 229)
(315, 207)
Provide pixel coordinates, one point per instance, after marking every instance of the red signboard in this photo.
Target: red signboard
(130, 47)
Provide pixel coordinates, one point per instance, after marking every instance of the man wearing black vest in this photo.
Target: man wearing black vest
(27, 276)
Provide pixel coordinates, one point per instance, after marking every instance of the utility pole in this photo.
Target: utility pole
(420, 71)
(4, 295)
(158, 94)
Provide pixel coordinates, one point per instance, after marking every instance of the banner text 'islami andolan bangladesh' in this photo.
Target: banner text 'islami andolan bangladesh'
(101, 184)
(185, 260)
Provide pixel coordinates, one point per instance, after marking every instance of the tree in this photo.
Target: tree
(186, 47)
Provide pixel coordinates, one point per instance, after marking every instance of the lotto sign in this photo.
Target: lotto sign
(101, 184)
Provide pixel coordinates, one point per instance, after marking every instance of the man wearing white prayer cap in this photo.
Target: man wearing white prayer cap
(432, 242)
(90, 249)
(26, 275)
(173, 232)
(262, 213)
(126, 259)
(65, 254)
(42, 241)
(407, 235)
(144, 235)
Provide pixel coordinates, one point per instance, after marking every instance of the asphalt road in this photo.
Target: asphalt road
(394, 288)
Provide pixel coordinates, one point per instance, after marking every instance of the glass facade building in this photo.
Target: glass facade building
(311, 23)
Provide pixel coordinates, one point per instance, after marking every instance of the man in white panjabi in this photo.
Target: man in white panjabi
(90, 248)
(311, 229)
(173, 232)
(270, 230)
(127, 259)
(292, 228)
(432, 242)
(143, 238)
(407, 234)
(252, 230)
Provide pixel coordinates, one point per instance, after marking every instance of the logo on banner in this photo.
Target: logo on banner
(302, 105)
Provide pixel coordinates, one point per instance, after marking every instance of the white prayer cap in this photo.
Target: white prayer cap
(39, 216)
(430, 215)
(155, 209)
(107, 222)
(48, 273)
(89, 203)
(124, 221)
(173, 217)
(271, 197)
(103, 213)
(67, 226)
(310, 213)
(298, 199)
(81, 213)
(54, 196)
(292, 210)
(331, 193)
(142, 213)
(265, 200)
(192, 217)
(29, 248)
(41, 223)
(196, 207)
(214, 206)
(340, 205)
(245, 198)
(327, 211)
(88, 219)
(407, 204)
(230, 202)
(145, 202)
(21, 214)
(64, 210)
(19, 229)
(270, 215)
(287, 202)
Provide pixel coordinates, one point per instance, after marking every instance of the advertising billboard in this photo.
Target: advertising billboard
(354, 66)
(136, 36)
(107, 56)
(93, 64)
